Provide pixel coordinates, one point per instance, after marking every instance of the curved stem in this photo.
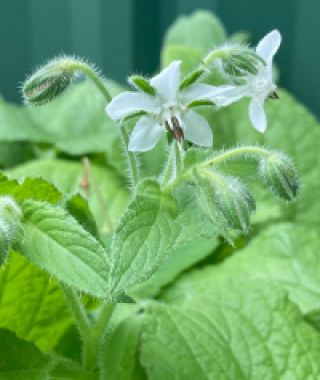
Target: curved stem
(228, 155)
(168, 169)
(78, 311)
(233, 153)
(87, 70)
(132, 161)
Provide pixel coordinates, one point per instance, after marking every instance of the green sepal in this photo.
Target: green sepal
(142, 84)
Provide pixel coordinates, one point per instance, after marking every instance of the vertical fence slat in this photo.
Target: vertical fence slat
(50, 29)
(117, 38)
(15, 40)
(306, 54)
(85, 23)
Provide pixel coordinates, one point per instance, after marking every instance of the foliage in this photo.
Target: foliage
(173, 276)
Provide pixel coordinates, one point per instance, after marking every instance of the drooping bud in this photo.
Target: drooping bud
(235, 61)
(10, 225)
(280, 175)
(235, 202)
(231, 198)
(49, 81)
(142, 84)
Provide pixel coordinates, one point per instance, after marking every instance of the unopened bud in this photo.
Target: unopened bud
(235, 202)
(235, 61)
(230, 197)
(142, 84)
(10, 225)
(280, 175)
(49, 81)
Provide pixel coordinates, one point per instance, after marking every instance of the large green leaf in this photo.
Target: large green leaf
(32, 303)
(76, 122)
(57, 243)
(190, 38)
(244, 330)
(201, 30)
(143, 237)
(20, 360)
(285, 254)
(106, 194)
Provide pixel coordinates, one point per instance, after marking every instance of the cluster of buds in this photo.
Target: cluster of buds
(10, 226)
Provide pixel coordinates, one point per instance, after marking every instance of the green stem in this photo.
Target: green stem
(168, 169)
(78, 311)
(90, 72)
(132, 161)
(233, 153)
(91, 334)
(178, 158)
(228, 155)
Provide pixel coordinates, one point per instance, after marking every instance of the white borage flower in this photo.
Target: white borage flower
(167, 108)
(258, 87)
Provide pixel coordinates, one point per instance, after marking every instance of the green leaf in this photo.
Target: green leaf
(21, 359)
(76, 122)
(143, 238)
(235, 330)
(32, 303)
(201, 29)
(285, 254)
(190, 57)
(105, 192)
(119, 356)
(58, 244)
(29, 188)
(79, 209)
(14, 153)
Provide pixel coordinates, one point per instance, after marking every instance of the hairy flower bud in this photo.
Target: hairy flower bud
(235, 61)
(10, 226)
(229, 196)
(280, 175)
(235, 202)
(49, 81)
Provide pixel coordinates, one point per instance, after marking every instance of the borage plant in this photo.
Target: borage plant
(208, 325)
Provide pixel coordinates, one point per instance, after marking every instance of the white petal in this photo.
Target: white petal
(167, 81)
(269, 45)
(197, 129)
(230, 94)
(257, 115)
(145, 134)
(198, 91)
(128, 103)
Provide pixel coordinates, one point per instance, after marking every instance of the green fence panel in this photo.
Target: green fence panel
(124, 36)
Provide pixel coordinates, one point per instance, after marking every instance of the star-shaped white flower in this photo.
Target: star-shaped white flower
(167, 110)
(258, 87)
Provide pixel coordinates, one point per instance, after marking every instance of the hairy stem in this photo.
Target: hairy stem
(254, 151)
(91, 334)
(132, 161)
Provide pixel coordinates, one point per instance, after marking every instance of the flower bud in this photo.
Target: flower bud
(234, 60)
(4, 243)
(10, 226)
(280, 175)
(49, 81)
(235, 202)
(230, 197)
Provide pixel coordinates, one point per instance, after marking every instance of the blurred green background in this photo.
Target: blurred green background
(125, 36)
